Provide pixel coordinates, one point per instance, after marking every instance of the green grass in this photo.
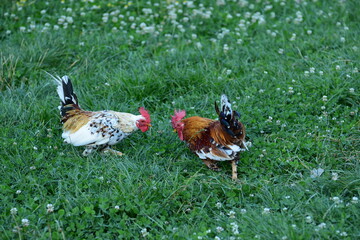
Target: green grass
(277, 83)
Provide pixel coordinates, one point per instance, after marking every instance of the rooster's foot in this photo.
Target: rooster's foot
(88, 150)
(234, 170)
(212, 165)
(112, 151)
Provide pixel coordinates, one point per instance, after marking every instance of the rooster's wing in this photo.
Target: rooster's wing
(101, 128)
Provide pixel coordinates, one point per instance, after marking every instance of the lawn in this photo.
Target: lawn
(291, 68)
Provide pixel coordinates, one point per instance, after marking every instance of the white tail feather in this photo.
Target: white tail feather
(225, 105)
(60, 81)
(59, 88)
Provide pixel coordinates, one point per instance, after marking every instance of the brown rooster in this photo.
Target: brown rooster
(95, 129)
(212, 140)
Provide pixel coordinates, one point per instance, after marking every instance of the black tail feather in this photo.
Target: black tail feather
(228, 118)
(66, 93)
(69, 95)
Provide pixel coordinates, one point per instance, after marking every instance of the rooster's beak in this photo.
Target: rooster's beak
(149, 125)
(174, 130)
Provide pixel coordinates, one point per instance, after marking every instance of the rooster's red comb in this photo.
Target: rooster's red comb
(145, 114)
(178, 115)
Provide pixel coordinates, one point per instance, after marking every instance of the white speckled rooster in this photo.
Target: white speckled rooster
(95, 130)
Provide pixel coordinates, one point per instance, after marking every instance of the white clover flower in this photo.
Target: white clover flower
(228, 72)
(217, 238)
(342, 39)
(198, 45)
(226, 48)
(18, 191)
(69, 19)
(309, 32)
(293, 37)
(144, 232)
(308, 219)
(50, 208)
(234, 228)
(229, 16)
(42, 12)
(291, 90)
(320, 226)
(337, 67)
(25, 222)
(312, 70)
(343, 234)
(316, 172)
(321, 73)
(13, 211)
(336, 200)
(147, 11)
(105, 19)
(243, 211)
(266, 211)
(354, 200)
(22, 29)
(334, 176)
(231, 214)
(324, 98)
(281, 51)
(261, 90)
(219, 229)
(218, 205)
(220, 2)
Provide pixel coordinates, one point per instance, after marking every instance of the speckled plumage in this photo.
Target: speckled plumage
(95, 129)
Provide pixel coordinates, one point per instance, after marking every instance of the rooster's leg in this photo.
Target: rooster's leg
(211, 164)
(89, 150)
(107, 149)
(234, 169)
